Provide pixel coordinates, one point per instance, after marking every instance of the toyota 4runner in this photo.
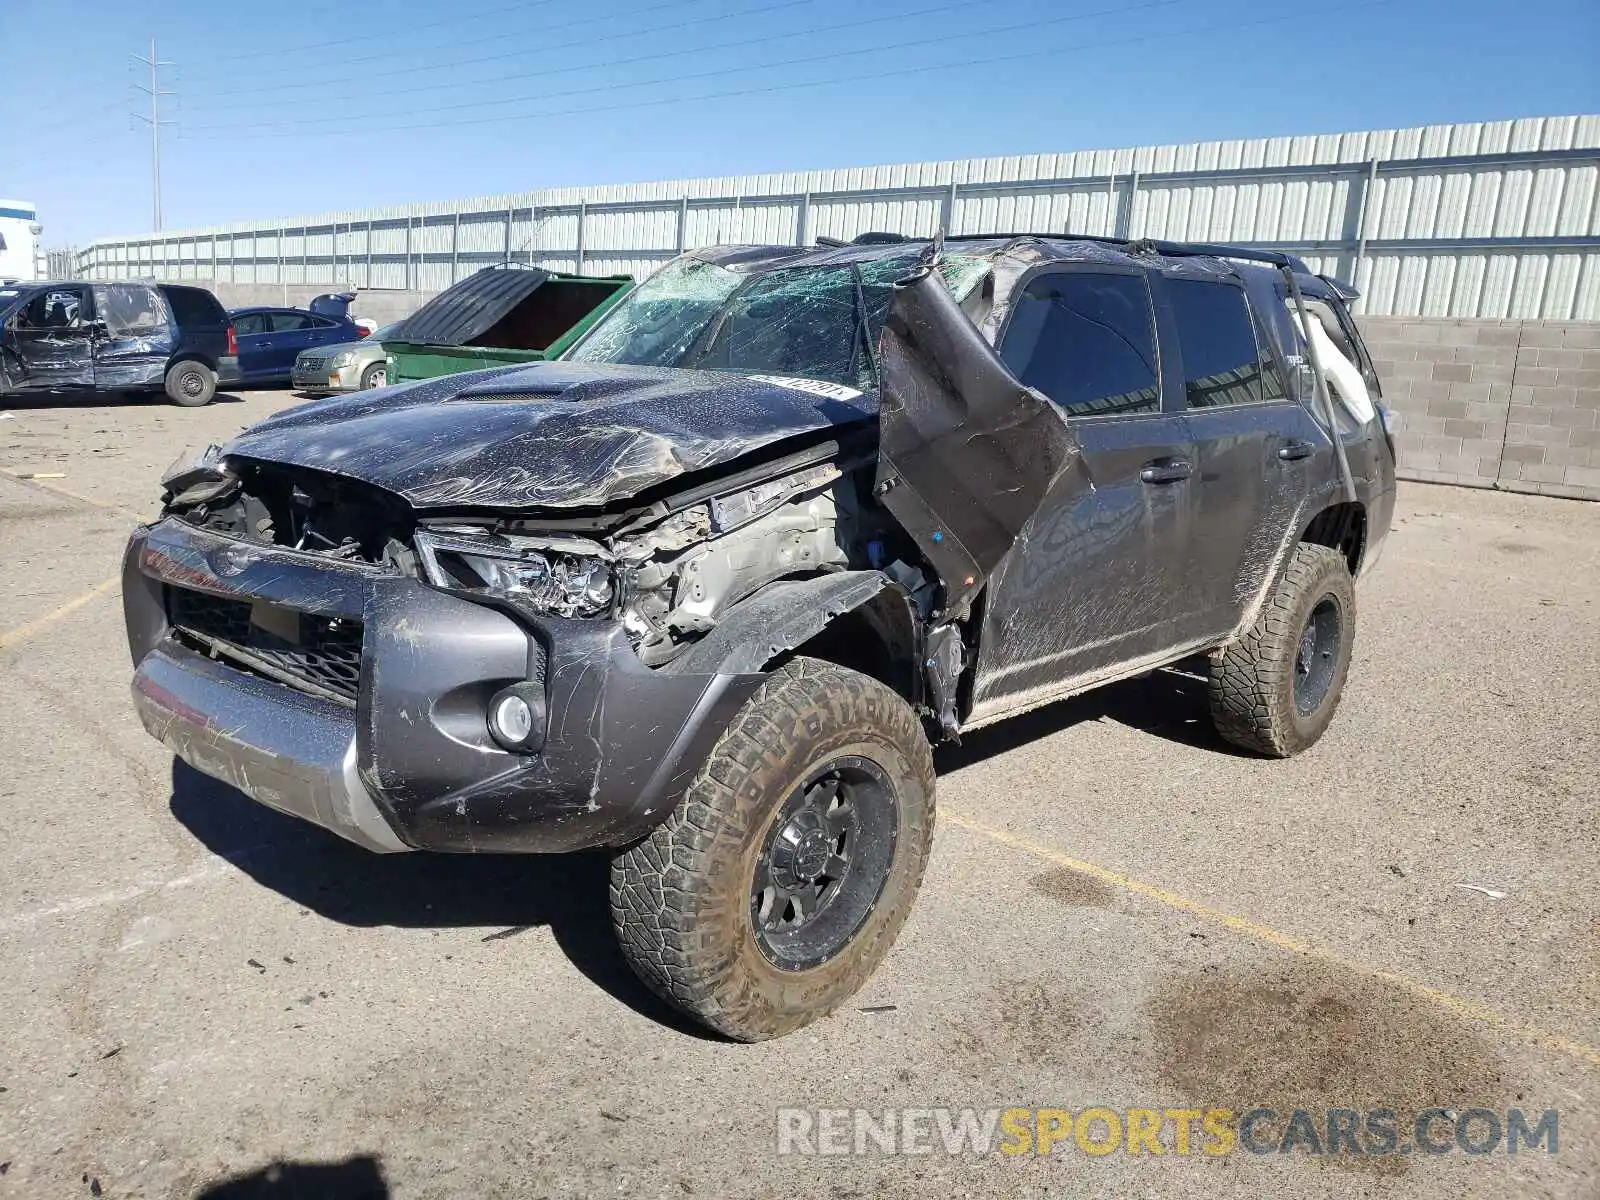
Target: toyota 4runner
(707, 591)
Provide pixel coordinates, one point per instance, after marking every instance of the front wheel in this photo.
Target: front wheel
(375, 376)
(782, 878)
(1275, 690)
(191, 384)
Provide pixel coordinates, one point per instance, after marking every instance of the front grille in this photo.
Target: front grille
(307, 366)
(317, 655)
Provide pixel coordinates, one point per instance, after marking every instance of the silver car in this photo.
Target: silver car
(346, 367)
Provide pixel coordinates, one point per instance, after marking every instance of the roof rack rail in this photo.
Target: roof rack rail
(1276, 258)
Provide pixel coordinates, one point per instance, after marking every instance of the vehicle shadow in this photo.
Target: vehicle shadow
(359, 1177)
(1169, 703)
(507, 894)
(101, 400)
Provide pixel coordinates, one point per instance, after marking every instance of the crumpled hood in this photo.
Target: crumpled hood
(548, 435)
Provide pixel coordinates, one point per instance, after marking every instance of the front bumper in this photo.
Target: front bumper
(326, 382)
(412, 764)
(291, 752)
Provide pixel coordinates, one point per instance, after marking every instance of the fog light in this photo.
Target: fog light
(516, 717)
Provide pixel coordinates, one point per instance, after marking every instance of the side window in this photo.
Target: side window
(1221, 362)
(57, 308)
(288, 322)
(250, 323)
(194, 306)
(1087, 340)
(130, 309)
(1275, 386)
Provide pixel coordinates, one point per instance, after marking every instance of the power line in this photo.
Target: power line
(46, 131)
(543, 48)
(454, 19)
(455, 85)
(992, 60)
(806, 60)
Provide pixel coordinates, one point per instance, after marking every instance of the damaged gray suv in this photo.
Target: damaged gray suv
(707, 592)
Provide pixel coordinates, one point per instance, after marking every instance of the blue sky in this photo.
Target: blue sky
(369, 103)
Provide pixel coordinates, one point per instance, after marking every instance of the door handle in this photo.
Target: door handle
(1295, 449)
(1165, 470)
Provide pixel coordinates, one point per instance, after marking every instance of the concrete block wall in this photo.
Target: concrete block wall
(378, 304)
(1504, 404)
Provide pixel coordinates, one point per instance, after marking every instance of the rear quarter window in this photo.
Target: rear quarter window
(1217, 338)
(195, 306)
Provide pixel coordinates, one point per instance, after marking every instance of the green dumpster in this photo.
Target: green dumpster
(498, 317)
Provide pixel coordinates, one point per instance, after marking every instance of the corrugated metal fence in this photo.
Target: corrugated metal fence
(1479, 220)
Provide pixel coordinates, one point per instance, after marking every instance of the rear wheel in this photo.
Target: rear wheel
(375, 376)
(191, 384)
(1275, 690)
(784, 875)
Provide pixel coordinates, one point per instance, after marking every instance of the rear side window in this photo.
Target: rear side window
(130, 309)
(1221, 362)
(1087, 341)
(288, 322)
(195, 306)
(1357, 349)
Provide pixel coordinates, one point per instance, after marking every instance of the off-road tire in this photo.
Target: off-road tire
(1252, 680)
(191, 384)
(681, 898)
(369, 376)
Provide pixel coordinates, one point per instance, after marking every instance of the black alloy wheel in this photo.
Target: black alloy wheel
(824, 862)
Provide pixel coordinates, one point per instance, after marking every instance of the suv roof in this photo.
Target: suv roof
(1197, 258)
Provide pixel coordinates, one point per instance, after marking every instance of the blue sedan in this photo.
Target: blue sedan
(270, 339)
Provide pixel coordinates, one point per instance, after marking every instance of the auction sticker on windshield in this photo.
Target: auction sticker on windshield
(816, 387)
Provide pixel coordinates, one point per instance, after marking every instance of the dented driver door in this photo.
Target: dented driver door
(1096, 582)
(50, 341)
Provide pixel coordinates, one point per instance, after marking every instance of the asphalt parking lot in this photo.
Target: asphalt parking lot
(1120, 912)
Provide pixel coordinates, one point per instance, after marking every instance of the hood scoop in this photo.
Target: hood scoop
(573, 382)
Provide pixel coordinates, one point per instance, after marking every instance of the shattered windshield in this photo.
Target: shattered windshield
(662, 320)
(802, 322)
(810, 322)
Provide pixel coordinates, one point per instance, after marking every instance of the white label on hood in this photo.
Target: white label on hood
(816, 387)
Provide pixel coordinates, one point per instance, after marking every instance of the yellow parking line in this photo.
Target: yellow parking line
(1283, 941)
(22, 632)
(22, 477)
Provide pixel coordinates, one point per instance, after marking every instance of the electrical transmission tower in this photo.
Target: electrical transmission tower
(155, 122)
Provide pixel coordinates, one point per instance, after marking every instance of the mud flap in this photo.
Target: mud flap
(967, 453)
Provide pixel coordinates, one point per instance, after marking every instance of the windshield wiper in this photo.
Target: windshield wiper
(861, 335)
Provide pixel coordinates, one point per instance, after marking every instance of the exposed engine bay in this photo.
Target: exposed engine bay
(668, 571)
